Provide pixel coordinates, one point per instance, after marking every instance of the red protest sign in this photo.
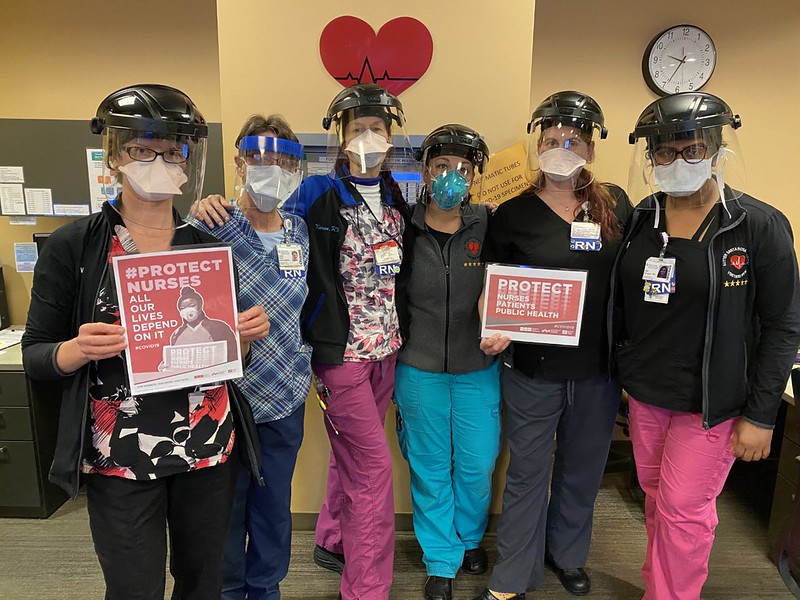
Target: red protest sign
(179, 313)
(543, 306)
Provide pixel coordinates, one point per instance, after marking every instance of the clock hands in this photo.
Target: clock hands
(680, 62)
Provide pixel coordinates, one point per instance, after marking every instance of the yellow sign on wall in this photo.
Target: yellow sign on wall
(503, 178)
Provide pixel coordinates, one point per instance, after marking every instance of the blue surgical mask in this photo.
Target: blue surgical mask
(449, 189)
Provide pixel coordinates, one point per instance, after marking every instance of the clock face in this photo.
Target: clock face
(680, 59)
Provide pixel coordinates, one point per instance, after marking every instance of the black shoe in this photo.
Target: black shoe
(475, 561)
(575, 581)
(438, 588)
(333, 561)
(487, 595)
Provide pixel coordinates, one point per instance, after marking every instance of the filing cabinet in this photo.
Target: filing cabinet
(28, 426)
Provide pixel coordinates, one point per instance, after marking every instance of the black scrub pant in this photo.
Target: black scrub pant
(129, 521)
(579, 414)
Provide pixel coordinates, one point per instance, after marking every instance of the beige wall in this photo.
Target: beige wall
(58, 60)
(479, 76)
(64, 57)
(597, 47)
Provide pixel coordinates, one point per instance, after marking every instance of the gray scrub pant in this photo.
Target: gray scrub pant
(579, 414)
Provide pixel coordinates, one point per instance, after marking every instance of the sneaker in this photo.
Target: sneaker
(333, 561)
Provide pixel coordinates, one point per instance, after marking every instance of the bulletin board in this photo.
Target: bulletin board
(52, 154)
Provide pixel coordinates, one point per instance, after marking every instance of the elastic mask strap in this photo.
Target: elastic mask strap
(721, 158)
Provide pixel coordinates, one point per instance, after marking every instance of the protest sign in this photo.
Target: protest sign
(543, 306)
(179, 313)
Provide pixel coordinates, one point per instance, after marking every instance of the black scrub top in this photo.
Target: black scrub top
(661, 354)
(525, 231)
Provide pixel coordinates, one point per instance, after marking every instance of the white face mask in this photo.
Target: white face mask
(189, 314)
(559, 164)
(270, 186)
(369, 149)
(680, 178)
(154, 181)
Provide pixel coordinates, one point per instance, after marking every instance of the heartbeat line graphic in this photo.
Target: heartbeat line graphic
(366, 69)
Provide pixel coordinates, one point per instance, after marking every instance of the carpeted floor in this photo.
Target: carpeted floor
(53, 558)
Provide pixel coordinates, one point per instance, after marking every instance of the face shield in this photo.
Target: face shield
(449, 176)
(268, 170)
(559, 151)
(154, 167)
(367, 140)
(692, 168)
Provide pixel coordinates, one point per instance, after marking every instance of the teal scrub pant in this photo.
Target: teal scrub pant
(449, 432)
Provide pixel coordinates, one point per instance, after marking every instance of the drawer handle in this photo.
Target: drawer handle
(3, 424)
(4, 456)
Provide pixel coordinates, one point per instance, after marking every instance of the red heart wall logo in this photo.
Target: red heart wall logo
(394, 58)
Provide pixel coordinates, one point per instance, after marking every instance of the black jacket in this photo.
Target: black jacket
(437, 295)
(753, 328)
(66, 284)
(325, 318)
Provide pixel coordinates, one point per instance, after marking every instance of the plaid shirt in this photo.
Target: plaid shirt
(279, 375)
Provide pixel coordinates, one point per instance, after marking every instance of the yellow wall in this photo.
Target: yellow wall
(479, 76)
(58, 60)
(597, 47)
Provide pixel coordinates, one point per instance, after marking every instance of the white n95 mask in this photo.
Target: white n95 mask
(369, 148)
(559, 164)
(680, 178)
(270, 186)
(189, 314)
(154, 181)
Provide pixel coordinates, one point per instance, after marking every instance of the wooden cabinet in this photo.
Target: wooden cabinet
(28, 425)
(786, 478)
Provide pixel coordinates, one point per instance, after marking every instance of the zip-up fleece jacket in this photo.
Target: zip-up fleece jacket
(437, 295)
(752, 327)
(66, 285)
(325, 319)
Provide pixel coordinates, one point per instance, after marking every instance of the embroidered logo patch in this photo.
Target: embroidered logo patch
(473, 247)
(734, 265)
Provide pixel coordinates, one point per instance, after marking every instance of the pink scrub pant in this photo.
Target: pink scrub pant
(357, 518)
(682, 468)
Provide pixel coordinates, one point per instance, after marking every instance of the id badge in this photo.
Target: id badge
(584, 236)
(659, 279)
(387, 258)
(290, 261)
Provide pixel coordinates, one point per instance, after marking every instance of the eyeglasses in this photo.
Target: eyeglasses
(666, 155)
(174, 156)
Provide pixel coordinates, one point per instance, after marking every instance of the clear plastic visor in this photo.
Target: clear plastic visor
(363, 142)
(154, 167)
(697, 167)
(268, 170)
(558, 155)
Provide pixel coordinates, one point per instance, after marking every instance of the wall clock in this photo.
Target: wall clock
(679, 59)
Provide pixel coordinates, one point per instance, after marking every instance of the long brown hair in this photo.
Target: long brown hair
(601, 201)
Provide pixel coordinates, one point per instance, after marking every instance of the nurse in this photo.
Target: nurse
(155, 463)
(356, 218)
(566, 220)
(271, 251)
(447, 390)
(705, 350)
